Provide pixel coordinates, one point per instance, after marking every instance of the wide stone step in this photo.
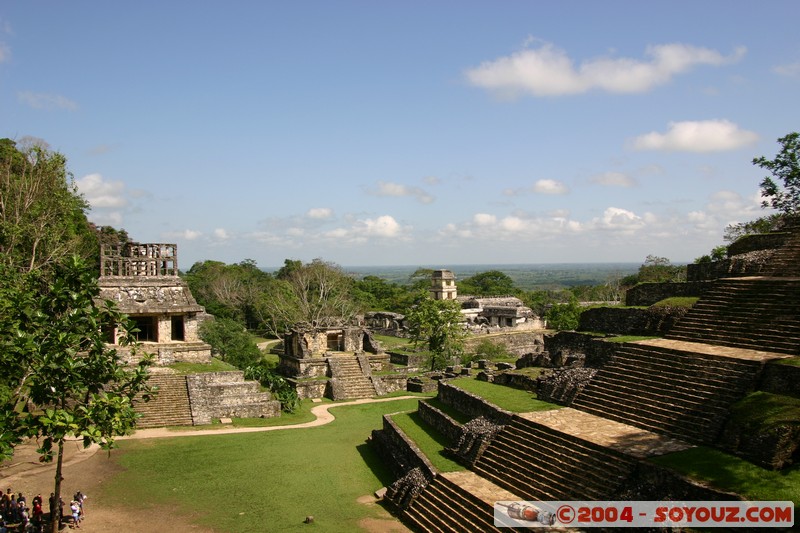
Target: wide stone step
(685, 392)
(539, 470)
(561, 452)
(684, 430)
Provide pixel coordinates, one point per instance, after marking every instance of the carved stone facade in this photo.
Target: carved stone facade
(443, 285)
(142, 279)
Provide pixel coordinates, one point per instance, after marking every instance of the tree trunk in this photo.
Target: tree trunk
(55, 516)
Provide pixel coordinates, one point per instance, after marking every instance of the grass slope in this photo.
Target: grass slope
(508, 398)
(267, 481)
(728, 472)
(430, 442)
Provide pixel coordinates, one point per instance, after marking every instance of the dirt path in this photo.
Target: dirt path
(86, 470)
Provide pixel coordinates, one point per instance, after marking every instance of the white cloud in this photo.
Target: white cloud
(388, 188)
(697, 136)
(102, 193)
(484, 219)
(544, 186)
(46, 101)
(5, 52)
(550, 187)
(615, 218)
(549, 71)
(791, 70)
(320, 212)
(613, 179)
(221, 234)
(187, 234)
(383, 226)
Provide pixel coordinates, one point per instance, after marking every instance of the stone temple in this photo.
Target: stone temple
(143, 281)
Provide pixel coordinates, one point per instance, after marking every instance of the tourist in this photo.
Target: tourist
(37, 517)
(80, 498)
(76, 513)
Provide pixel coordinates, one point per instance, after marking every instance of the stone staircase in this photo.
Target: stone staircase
(540, 463)
(444, 506)
(674, 391)
(170, 407)
(348, 379)
(756, 313)
(785, 261)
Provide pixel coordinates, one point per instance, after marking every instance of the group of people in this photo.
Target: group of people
(17, 515)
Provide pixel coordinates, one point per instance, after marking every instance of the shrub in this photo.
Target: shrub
(277, 385)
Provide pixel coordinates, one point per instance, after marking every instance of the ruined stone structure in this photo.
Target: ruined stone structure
(336, 362)
(499, 312)
(142, 279)
(649, 398)
(485, 312)
(443, 285)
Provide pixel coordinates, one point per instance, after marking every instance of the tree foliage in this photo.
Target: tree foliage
(564, 316)
(318, 293)
(377, 294)
(657, 269)
(231, 291)
(231, 342)
(59, 378)
(489, 283)
(439, 325)
(42, 216)
(781, 189)
(281, 389)
(765, 224)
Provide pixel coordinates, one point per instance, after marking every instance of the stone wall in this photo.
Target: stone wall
(516, 380)
(391, 383)
(470, 404)
(399, 451)
(755, 242)
(226, 394)
(748, 264)
(655, 321)
(303, 368)
(310, 388)
(441, 421)
(780, 379)
(646, 294)
(651, 482)
(570, 348)
(167, 353)
(517, 343)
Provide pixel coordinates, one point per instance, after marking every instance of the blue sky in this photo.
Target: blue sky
(409, 133)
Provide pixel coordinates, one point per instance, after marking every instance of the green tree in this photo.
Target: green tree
(490, 283)
(318, 293)
(60, 378)
(766, 224)
(420, 280)
(42, 216)
(785, 168)
(231, 342)
(231, 291)
(377, 294)
(439, 325)
(564, 317)
(659, 269)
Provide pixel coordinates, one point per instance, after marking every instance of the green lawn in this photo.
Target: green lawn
(728, 472)
(508, 398)
(429, 441)
(257, 482)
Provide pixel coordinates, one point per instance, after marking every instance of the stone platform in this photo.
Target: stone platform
(630, 440)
